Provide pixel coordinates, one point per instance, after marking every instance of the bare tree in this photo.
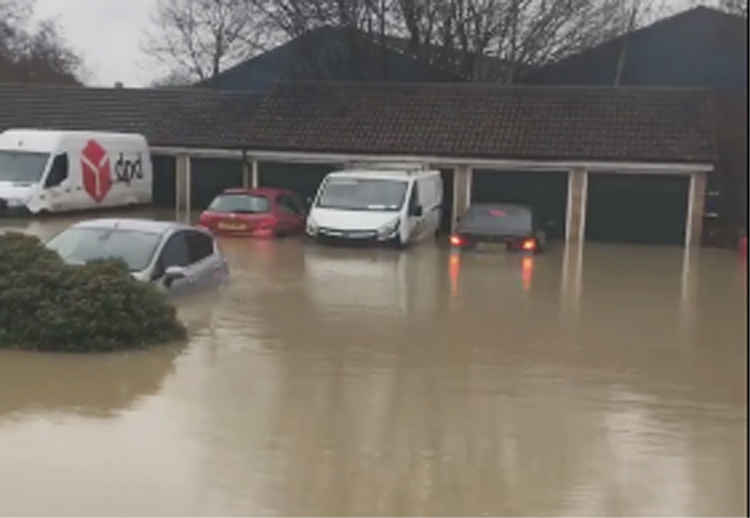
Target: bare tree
(499, 39)
(295, 17)
(734, 7)
(202, 37)
(34, 53)
(173, 79)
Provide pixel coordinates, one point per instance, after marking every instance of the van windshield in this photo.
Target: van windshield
(362, 194)
(82, 245)
(22, 166)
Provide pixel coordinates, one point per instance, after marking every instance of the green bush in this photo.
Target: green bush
(48, 305)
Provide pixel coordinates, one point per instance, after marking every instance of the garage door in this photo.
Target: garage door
(303, 179)
(546, 192)
(637, 208)
(210, 177)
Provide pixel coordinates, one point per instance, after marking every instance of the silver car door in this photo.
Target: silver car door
(175, 253)
(205, 263)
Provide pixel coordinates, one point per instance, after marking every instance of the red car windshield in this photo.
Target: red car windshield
(241, 203)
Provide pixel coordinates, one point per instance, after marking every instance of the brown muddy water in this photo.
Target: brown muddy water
(602, 380)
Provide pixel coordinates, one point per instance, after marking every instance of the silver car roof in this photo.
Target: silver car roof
(141, 225)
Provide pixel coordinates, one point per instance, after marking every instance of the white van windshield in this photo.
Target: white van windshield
(81, 245)
(22, 166)
(362, 194)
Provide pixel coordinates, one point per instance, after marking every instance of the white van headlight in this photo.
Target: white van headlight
(389, 229)
(312, 227)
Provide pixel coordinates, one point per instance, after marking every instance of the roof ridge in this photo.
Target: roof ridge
(481, 85)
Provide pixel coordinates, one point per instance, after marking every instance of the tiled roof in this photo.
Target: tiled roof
(463, 120)
(167, 117)
(474, 120)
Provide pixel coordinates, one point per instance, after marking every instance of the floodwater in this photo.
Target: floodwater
(598, 380)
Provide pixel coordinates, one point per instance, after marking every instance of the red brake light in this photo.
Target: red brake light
(529, 245)
(457, 240)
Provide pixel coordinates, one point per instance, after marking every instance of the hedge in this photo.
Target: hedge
(48, 305)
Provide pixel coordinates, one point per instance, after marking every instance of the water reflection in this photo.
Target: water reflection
(94, 386)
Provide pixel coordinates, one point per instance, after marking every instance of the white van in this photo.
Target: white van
(55, 171)
(399, 205)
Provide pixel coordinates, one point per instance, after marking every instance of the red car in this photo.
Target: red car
(263, 212)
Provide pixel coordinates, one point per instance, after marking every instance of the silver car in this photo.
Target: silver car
(177, 257)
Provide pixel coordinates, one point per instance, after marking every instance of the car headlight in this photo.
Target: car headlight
(389, 229)
(312, 227)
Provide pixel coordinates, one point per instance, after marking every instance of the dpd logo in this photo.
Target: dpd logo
(96, 170)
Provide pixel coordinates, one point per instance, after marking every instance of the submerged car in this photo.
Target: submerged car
(511, 224)
(174, 255)
(263, 212)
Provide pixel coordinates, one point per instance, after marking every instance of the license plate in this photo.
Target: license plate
(491, 246)
(232, 226)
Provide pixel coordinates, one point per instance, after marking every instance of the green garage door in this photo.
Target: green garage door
(637, 208)
(546, 192)
(163, 181)
(303, 179)
(210, 177)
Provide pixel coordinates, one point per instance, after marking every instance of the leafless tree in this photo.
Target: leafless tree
(173, 79)
(734, 6)
(34, 52)
(295, 17)
(202, 37)
(499, 39)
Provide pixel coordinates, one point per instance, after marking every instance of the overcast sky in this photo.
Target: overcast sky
(107, 33)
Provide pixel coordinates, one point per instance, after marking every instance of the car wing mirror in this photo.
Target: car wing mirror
(417, 211)
(172, 274)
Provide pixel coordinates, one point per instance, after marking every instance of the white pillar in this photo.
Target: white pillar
(575, 218)
(462, 176)
(696, 208)
(245, 174)
(256, 176)
(182, 187)
(188, 188)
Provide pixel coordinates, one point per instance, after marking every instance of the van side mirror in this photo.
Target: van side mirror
(172, 274)
(417, 211)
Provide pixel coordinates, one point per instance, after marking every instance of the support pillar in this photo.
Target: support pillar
(575, 219)
(245, 174)
(696, 208)
(182, 187)
(462, 177)
(256, 175)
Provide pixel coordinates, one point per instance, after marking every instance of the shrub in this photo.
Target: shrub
(48, 305)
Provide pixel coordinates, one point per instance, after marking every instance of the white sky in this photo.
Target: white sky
(108, 33)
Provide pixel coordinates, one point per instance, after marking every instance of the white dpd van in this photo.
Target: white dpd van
(55, 171)
(399, 204)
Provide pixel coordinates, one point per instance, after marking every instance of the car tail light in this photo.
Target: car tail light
(529, 245)
(457, 240)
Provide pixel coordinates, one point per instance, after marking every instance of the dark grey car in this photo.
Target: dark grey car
(512, 224)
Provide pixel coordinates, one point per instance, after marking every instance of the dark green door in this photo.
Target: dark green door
(637, 208)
